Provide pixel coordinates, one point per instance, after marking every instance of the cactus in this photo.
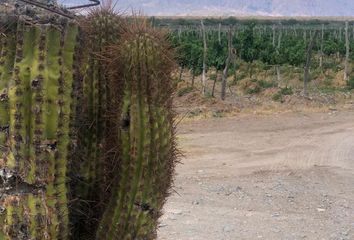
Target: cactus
(37, 66)
(101, 29)
(87, 146)
(145, 134)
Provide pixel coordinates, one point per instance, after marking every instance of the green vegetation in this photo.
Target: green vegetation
(351, 83)
(263, 47)
(282, 92)
(185, 90)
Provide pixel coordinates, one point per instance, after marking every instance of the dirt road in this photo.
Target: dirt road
(264, 177)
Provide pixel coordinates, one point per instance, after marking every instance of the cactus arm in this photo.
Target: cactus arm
(138, 134)
(145, 222)
(147, 152)
(16, 128)
(50, 119)
(34, 90)
(120, 198)
(31, 64)
(7, 57)
(63, 139)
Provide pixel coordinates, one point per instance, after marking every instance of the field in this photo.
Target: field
(285, 176)
(266, 109)
(241, 56)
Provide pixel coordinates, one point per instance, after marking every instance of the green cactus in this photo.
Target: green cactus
(37, 65)
(87, 147)
(145, 135)
(101, 29)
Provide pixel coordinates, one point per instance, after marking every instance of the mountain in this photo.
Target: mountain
(239, 7)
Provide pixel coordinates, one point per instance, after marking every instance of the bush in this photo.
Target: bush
(265, 84)
(328, 82)
(213, 76)
(183, 91)
(258, 85)
(241, 75)
(254, 89)
(282, 92)
(351, 83)
(286, 91)
(277, 97)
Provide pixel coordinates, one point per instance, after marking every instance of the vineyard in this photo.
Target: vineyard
(250, 56)
(269, 141)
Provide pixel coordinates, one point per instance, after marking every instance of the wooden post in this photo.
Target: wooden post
(346, 67)
(278, 52)
(215, 80)
(340, 34)
(273, 35)
(204, 59)
(219, 35)
(180, 73)
(321, 53)
(227, 64)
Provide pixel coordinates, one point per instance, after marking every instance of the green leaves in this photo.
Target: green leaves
(248, 49)
(217, 54)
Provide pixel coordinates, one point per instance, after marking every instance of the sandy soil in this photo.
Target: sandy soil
(286, 176)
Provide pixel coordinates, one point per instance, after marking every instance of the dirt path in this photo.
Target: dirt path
(264, 177)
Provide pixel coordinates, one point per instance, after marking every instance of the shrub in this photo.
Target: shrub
(254, 89)
(277, 96)
(286, 91)
(282, 92)
(351, 83)
(265, 84)
(185, 90)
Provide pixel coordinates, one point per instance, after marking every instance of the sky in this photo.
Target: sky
(233, 7)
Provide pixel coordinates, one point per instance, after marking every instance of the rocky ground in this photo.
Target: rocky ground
(284, 176)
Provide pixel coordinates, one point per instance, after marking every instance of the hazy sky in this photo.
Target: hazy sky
(234, 7)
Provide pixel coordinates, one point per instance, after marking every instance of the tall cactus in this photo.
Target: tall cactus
(101, 28)
(37, 66)
(87, 145)
(145, 134)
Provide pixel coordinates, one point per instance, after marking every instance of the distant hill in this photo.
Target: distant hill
(240, 7)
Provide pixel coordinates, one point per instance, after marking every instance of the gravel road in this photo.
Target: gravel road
(286, 176)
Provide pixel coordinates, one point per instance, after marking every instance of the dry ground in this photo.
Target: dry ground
(284, 176)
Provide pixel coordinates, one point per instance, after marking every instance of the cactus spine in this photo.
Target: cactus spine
(145, 134)
(34, 163)
(100, 29)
